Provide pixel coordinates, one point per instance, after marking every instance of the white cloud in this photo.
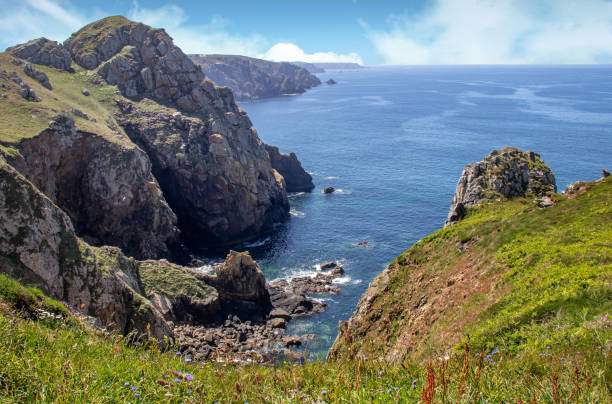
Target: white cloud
(289, 52)
(21, 21)
(500, 31)
(197, 38)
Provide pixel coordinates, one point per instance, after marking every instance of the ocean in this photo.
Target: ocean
(393, 142)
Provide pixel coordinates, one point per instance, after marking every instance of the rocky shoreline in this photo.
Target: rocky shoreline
(257, 335)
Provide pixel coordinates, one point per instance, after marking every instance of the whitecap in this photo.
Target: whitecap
(295, 194)
(257, 243)
(296, 213)
(342, 280)
(331, 177)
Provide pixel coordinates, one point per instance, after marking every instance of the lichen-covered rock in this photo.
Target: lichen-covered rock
(239, 278)
(215, 175)
(106, 188)
(43, 52)
(37, 75)
(506, 173)
(288, 165)
(251, 78)
(38, 246)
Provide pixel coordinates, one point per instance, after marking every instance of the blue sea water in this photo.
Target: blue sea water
(394, 141)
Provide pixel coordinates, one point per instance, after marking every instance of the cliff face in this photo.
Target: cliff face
(251, 78)
(296, 178)
(510, 274)
(506, 173)
(107, 190)
(157, 154)
(38, 246)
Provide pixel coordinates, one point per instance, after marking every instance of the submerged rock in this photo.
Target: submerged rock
(329, 190)
(331, 82)
(504, 173)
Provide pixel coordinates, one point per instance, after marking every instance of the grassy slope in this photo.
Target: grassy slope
(552, 295)
(26, 119)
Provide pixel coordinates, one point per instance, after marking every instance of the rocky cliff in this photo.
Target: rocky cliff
(511, 274)
(296, 178)
(251, 78)
(157, 155)
(505, 173)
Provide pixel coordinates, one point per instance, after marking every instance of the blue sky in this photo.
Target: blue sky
(365, 31)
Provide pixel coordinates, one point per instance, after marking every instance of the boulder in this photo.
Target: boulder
(328, 265)
(330, 82)
(505, 173)
(239, 278)
(280, 313)
(37, 75)
(329, 190)
(605, 173)
(277, 322)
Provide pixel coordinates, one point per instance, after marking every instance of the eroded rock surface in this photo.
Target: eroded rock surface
(107, 189)
(506, 173)
(43, 52)
(288, 165)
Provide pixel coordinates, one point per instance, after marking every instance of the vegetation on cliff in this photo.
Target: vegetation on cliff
(510, 275)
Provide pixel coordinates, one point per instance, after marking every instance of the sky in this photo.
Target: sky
(370, 32)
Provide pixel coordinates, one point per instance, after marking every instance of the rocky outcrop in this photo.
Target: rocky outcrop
(505, 173)
(43, 52)
(215, 175)
(240, 279)
(251, 78)
(106, 188)
(37, 75)
(38, 246)
(331, 82)
(288, 165)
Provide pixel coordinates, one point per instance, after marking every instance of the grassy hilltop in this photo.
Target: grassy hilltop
(538, 325)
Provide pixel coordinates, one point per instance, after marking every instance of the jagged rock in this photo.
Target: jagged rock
(330, 82)
(80, 114)
(37, 75)
(288, 165)
(292, 340)
(239, 278)
(328, 265)
(28, 94)
(277, 322)
(504, 173)
(39, 247)
(605, 173)
(107, 189)
(251, 78)
(216, 176)
(329, 190)
(280, 313)
(43, 52)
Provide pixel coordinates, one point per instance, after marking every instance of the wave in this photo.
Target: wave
(257, 243)
(342, 280)
(295, 194)
(296, 213)
(331, 177)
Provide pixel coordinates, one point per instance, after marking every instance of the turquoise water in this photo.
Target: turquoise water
(394, 141)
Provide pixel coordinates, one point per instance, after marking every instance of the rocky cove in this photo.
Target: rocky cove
(122, 141)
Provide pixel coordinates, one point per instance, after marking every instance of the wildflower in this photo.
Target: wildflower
(577, 352)
(177, 380)
(547, 355)
(188, 391)
(203, 363)
(187, 359)
(548, 347)
(562, 359)
(126, 383)
(188, 377)
(495, 352)
(220, 391)
(323, 392)
(389, 390)
(178, 354)
(540, 354)
(134, 388)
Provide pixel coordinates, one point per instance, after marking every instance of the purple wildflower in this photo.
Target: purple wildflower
(389, 390)
(323, 392)
(126, 383)
(189, 377)
(177, 380)
(134, 388)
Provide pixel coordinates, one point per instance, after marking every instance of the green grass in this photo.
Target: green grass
(540, 277)
(89, 36)
(67, 363)
(545, 337)
(174, 282)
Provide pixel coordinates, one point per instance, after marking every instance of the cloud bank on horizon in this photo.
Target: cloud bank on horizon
(500, 31)
(442, 32)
